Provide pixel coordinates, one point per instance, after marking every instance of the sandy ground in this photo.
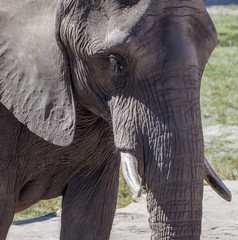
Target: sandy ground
(220, 221)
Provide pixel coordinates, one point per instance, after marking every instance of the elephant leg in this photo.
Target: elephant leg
(7, 206)
(89, 203)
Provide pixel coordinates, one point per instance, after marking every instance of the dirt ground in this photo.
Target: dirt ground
(220, 221)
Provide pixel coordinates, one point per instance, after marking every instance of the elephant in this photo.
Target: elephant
(85, 85)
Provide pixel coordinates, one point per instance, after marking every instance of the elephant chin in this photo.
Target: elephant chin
(130, 172)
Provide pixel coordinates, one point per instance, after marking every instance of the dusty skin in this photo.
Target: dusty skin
(220, 221)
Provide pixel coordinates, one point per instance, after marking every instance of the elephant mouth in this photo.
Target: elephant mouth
(131, 175)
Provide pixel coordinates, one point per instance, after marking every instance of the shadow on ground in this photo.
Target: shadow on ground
(40, 219)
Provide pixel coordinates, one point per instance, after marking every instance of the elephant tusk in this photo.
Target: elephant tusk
(215, 182)
(130, 172)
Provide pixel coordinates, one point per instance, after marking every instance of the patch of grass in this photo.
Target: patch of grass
(124, 193)
(223, 157)
(232, 6)
(227, 29)
(219, 98)
(219, 89)
(39, 209)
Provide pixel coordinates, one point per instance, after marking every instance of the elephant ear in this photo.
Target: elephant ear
(35, 82)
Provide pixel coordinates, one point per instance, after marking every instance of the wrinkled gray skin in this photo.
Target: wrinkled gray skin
(125, 76)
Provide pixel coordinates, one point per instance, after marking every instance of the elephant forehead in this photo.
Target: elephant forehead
(112, 24)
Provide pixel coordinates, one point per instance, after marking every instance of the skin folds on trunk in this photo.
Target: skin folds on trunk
(175, 196)
(174, 178)
(167, 140)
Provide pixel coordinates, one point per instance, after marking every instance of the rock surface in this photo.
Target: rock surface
(220, 221)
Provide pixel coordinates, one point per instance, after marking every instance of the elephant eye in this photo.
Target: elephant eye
(115, 64)
(117, 70)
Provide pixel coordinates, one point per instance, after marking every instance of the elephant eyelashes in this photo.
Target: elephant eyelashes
(117, 70)
(115, 64)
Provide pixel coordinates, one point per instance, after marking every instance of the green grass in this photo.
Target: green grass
(219, 102)
(40, 209)
(223, 156)
(219, 98)
(124, 193)
(232, 6)
(219, 95)
(227, 29)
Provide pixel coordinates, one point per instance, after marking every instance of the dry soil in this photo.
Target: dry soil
(220, 221)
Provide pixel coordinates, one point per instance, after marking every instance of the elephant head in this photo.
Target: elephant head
(138, 65)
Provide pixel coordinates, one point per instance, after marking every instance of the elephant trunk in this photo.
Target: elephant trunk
(175, 186)
(156, 117)
(163, 131)
(173, 176)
